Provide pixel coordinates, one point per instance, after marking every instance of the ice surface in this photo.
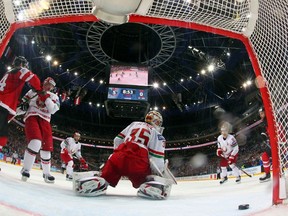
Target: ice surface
(197, 198)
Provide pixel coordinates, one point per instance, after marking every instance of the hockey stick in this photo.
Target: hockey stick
(244, 171)
(239, 168)
(94, 166)
(167, 173)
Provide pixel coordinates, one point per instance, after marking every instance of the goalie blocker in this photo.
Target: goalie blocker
(90, 184)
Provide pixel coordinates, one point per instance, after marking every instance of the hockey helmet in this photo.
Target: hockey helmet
(226, 128)
(261, 109)
(49, 80)
(20, 61)
(154, 118)
(262, 113)
(49, 84)
(76, 136)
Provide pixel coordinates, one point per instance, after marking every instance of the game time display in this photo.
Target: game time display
(127, 94)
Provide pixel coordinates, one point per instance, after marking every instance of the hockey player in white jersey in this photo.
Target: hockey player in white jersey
(138, 154)
(38, 129)
(69, 147)
(228, 151)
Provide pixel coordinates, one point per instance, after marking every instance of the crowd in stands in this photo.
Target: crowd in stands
(182, 162)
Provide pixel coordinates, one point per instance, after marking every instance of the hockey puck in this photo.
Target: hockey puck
(243, 206)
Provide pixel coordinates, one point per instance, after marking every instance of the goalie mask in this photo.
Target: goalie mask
(155, 119)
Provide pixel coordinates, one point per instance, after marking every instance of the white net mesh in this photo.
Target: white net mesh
(50, 8)
(269, 39)
(232, 15)
(270, 42)
(5, 25)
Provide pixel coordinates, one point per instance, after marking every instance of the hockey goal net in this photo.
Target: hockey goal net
(260, 24)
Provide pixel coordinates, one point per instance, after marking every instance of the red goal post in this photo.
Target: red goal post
(260, 24)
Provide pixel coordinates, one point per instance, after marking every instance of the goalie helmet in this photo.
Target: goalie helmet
(20, 61)
(154, 118)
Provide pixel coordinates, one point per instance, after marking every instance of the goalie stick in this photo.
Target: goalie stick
(167, 173)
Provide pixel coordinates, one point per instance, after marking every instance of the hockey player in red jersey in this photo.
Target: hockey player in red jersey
(69, 147)
(11, 86)
(138, 153)
(228, 151)
(38, 129)
(265, 147)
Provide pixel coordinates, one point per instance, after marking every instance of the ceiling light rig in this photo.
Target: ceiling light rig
(165, 35)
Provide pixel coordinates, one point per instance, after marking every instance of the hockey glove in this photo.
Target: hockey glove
(231, 159)
(42, 96)
(83, 164)
(219, 152)
(24, 106)
(64, 151)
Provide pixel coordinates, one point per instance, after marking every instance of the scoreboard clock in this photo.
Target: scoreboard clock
(122, 93)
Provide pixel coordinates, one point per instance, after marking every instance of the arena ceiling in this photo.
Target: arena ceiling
(178, 57)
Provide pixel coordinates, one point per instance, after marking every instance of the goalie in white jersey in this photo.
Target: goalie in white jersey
(69, 147)
(228, 151)
(138, 153)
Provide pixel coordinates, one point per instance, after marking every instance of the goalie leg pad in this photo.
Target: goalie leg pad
(90, 186)
(154, 190)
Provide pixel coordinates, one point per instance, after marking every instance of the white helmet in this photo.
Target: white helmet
(154, 118)
(226, 128)
(49, 80)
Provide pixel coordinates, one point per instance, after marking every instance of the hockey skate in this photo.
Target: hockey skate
(25, 174)
(265, 178)
(69, 177)
(48, 178)
(225, 179)
(238, 179)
